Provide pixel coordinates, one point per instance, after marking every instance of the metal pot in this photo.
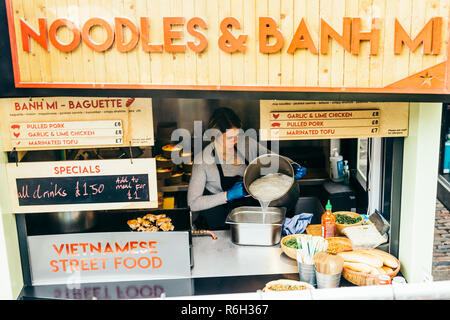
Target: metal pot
(270, 164)
(73, 221)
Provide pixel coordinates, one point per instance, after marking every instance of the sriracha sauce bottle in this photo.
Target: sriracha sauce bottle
(328, 222)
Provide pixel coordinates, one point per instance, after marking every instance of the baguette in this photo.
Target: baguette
(362, 257)
(358, 267)
(388, 260)
(361, 267)
(387, 269)
(381, 270)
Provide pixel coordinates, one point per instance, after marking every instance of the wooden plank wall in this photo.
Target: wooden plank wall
(213, 66)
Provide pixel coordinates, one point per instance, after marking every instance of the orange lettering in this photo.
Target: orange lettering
(227, 41)
(124, 249)
(373, 36)
(120, 23)
(29, 32)
(424, 37)
(68, 47)
(146, 45)
(154, 260)
(54, 264)
(191, 29)
(326, 32)
(60, 249)
(86, 33)
(84, 264)
(170, 34)
(268, 28)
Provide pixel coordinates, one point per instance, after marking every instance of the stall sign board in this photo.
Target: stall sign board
(82, 185)
(293, 120)
(108, 257)
(74, 123)
(379, 46)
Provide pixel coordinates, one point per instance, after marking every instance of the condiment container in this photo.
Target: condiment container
(328, 270)
(249, 226)
(328, 222)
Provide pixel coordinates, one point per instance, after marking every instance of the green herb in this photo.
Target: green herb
(346, 219)
(291, 243)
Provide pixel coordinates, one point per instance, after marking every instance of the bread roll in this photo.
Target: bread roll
(358, 267)
(387, 269)
(381, 270)
(362, 257)
(388, 260)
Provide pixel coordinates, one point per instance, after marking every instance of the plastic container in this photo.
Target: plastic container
(328, 280)
(336, 167)
(328, 222)
(446, 165)
(346, 173)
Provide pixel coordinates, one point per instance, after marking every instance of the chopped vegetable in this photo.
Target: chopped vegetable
(346, 219)
(291, 243)
(286, 287)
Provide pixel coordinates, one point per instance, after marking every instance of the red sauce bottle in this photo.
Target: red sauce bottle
(328, 222)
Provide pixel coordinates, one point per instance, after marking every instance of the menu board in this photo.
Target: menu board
(83, 185)
(67, 134)
(291, 120)
(52, 123)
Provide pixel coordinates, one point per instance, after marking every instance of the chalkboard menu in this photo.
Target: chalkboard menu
(83, 185)
(73, 190)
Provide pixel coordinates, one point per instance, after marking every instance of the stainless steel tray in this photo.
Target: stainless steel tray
(250, 226)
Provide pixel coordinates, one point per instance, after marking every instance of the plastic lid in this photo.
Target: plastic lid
(328, 206)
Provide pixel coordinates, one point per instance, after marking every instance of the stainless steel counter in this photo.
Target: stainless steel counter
(222, 258)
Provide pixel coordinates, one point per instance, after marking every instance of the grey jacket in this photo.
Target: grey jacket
(206, 175)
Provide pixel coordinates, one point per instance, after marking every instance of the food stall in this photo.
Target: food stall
(105, 107)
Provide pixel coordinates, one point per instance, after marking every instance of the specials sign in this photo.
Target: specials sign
(296, 45)
(295, 120)
(82, 185)
(74, 123)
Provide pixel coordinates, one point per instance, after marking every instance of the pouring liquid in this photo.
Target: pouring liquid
(264, 206)
(269, 188)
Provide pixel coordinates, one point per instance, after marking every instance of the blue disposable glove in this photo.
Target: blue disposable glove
(299, 171)
(237, 191)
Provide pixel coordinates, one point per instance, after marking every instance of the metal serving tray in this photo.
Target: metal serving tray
(252, 227)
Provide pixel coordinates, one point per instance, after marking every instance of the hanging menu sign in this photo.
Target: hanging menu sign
(83, 185)
(68, 134)
(291, 120)
(73, 123)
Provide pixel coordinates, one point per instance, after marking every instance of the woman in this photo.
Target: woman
(216, 185)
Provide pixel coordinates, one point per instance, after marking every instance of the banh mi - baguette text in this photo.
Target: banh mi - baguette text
(362, 257)
(388, 260)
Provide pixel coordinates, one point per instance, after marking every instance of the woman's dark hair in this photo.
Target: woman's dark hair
(224, 119)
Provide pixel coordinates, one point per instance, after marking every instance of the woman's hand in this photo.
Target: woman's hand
(299, 171)
(237, 191)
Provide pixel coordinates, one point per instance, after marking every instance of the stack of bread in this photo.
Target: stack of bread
(362, 267)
